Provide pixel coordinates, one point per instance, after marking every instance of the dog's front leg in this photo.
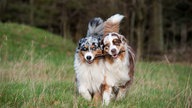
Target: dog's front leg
(107, 94)
(97, 98)
(85, 93)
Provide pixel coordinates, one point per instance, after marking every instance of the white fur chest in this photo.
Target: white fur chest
(117, 72)
(90, 76)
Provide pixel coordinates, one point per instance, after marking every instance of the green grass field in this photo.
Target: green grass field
(36, 71)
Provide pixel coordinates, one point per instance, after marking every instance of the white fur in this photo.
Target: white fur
(115, 18)
(89, 77)
(89, 54)
(84, 92)
(107, 96)
(117, 72)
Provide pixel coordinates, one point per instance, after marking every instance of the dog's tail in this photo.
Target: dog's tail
(95, 27)
(112, 24)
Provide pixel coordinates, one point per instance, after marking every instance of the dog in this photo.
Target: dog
(88, 64)
(119, 61)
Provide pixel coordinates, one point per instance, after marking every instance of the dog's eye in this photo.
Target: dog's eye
(84, 49)
(94, 48)
(116, 42)
(106, 48)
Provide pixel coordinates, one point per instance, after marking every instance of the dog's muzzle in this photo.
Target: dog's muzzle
(89, 57)
(114, 53)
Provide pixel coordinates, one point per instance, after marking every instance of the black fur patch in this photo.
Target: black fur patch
(96, 21)
(89, 41)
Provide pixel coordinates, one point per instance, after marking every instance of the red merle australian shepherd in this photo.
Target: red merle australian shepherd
(119, 61)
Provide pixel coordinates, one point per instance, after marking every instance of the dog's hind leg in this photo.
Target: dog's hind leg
(123, 89)
(121, 93)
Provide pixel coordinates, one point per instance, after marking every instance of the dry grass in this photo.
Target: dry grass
(42, 84)
(38, 71)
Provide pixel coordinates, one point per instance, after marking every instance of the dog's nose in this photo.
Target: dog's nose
(113, 51)
(88, 57)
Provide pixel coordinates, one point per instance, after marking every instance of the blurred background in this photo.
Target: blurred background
(156, 29)
(38, 40)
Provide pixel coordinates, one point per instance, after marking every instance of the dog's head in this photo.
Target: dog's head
(89, 48)
(114, 44)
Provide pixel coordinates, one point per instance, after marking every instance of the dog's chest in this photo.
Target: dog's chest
(90, 76)
(117, 72)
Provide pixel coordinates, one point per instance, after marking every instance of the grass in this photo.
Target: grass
(36, 70)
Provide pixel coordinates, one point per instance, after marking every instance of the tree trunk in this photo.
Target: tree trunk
(3, 6)
(183, 36)
(173, 29)
(64, 25)
(132, 22)
(140, 30)
(156, 38)
(140, 13)
(31, 12)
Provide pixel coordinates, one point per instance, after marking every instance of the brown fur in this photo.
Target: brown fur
(98, 52)
(104, 86)
(81, 55)
(97, 98)
(96, 59)
(131, 67)
(122, 53)
(109, 59)
(110, 27)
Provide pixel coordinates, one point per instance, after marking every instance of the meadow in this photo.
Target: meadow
(36, 71)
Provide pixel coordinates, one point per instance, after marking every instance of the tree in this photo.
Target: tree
(31, 12)
(140, 26)
(156, 37)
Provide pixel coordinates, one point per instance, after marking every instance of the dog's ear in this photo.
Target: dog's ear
(80, 42)
(102, 44)
(99, 41)
(123, 39)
